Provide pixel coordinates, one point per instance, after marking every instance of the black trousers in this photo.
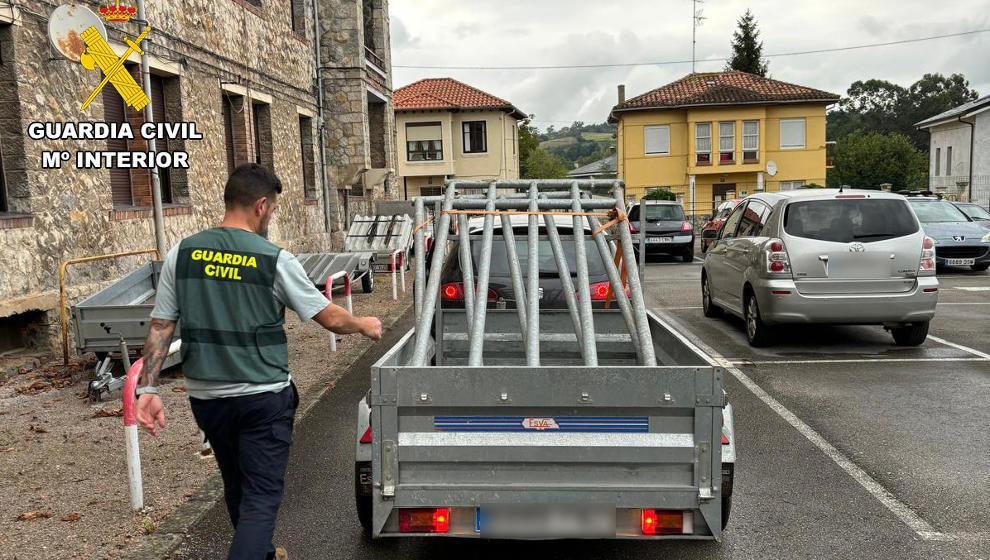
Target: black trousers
(250, 436)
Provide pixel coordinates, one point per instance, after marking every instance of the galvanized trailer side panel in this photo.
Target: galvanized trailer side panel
(320, 266)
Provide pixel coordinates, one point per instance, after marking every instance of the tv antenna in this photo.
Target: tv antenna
(697, 17)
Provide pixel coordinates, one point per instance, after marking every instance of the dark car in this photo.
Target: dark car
(667, 230)
(975, 212)
(500, 292)
(709, 231)
(959, 241)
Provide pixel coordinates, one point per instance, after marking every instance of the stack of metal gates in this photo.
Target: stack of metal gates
(385, 236)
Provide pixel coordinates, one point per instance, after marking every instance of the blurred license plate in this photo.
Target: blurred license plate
(382, 267)
(659, 239)
(960, 262)
(575, 521)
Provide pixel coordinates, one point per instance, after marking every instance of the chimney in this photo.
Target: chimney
(622, 93)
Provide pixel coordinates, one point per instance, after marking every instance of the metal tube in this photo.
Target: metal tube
(543, 183)
(533, 278)
(425, 319)
(395, 279)
(419, 245)
(635, 287)
(607, 253)
(476, 341)
(642, 239)
(402, 270)
(467, 268)
(518, 288)
(321, 123)
(522, 204)
(149, 116)
(583, 282)
(567, 285)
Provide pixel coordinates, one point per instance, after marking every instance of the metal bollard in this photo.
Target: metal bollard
(395, 287)
(402, 270)
(328, 292)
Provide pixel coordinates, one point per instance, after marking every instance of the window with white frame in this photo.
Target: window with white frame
(791, 185)
(726, 142)
(656, 140)
(703, 143)
(791, 134)
(751, 141)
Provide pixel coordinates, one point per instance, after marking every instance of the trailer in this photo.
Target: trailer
(357, 265)
(531, 423)
(389, 237)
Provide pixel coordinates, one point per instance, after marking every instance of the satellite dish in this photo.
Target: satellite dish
(771, 168)
(66, 26)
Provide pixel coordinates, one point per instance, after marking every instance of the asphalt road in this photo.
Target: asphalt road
(848, 446)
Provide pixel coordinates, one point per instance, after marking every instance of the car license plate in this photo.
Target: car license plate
(546, 521)
(659, 239)
(960, 262)
(382, 267)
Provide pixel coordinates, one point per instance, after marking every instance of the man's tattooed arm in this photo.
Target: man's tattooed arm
(155, 350)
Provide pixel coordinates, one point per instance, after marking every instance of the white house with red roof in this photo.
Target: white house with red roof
(447, 129)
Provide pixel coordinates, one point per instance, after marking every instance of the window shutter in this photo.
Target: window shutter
(228, 132)
(161, 144)
(792, 133)
(656, 139)
(120, 179)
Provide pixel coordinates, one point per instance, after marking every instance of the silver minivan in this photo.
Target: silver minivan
(823, 256)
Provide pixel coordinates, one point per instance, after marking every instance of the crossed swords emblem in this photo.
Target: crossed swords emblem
(99, 53)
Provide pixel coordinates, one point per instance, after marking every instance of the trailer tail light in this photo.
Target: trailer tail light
(599, 290)
(686, 226)
(927, 263)
(366, 437)
(454, 291)
(632, 228)
(663, 522)
(725, 439)
(424, 520)
(778, 263)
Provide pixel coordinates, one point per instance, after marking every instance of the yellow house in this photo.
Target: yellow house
(711, 137)
(447, 129)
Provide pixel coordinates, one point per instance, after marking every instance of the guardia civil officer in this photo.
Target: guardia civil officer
(229, 286)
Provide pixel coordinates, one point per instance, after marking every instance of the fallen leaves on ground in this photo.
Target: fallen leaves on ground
(108, 412)
(32, 515)
(38, 429)
(72, 517)
(35, 388)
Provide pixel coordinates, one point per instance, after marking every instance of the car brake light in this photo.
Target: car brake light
(424, 520)
(777, 259)
(366, 438)
(927, 263)
(599, 290)
(454, 291)
(850, 196)
(662, 522)
(686, 226)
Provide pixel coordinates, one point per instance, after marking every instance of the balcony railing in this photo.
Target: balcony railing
(373, 58)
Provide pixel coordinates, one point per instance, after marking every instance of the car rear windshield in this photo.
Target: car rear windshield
(850, 219)
(548, 266)
(659, 213)
(934, 211)
(976, 212)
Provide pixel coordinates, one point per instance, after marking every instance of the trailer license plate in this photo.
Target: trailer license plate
(960, 262)
(659, 239)
(382, 267)
(546, 521)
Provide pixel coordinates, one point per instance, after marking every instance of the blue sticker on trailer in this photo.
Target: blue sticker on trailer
(606, 424)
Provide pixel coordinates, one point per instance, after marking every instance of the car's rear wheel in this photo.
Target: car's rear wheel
(688, 257)
(757, 332)
(910, 335)
(981, 267)
(707, 305)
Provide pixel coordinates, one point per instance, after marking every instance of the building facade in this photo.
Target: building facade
(244, 71)
(711, 137)
(447, 129)
(959, 152)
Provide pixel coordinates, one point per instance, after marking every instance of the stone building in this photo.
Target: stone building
(245, 72)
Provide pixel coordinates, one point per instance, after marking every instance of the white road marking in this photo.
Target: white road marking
(963, 303)
(972, 351)
(972, 288)
(745, 362)
(681, 308)
(908, 516)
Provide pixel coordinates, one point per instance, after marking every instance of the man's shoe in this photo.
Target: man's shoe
(281, 554)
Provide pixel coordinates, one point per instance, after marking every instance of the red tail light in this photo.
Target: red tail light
(725, 439)
(686, 226)
(424, 520)
(927, 263)
(662, 522)
(632, 228)
(777, 260)
(454, 291)
(599, 290)
(366, 438)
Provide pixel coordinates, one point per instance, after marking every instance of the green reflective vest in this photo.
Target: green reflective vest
(231, 324)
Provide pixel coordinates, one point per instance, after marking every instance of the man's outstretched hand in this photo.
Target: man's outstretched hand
(151, 411)
(371, 327)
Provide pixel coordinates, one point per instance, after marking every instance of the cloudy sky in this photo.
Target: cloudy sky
(567, 32)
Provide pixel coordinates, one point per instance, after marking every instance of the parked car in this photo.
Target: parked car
(667, 230)
(959, 241)
(823, 256)
(709, 231)
(975, 212)
(500, 291)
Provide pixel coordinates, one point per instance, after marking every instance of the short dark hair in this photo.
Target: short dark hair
(248, 183)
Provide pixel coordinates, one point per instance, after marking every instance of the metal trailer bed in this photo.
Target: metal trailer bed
(320, 266)
(383, 235)
(534, 423)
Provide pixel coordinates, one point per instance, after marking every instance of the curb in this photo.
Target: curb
(170, 534)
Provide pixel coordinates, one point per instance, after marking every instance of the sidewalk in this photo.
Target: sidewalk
(62, 458)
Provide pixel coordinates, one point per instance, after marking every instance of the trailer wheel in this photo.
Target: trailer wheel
(368, 282)
(728, 473)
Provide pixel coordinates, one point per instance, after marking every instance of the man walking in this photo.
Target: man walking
(230, 286)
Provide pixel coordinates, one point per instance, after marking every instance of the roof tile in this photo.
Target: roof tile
(447, 93)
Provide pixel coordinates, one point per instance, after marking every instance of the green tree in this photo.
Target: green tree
(747, 49)
(865, 160)
(662, 193)
(528, 143)
(542, 165)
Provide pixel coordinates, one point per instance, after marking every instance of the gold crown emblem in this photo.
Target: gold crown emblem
(117, 11)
